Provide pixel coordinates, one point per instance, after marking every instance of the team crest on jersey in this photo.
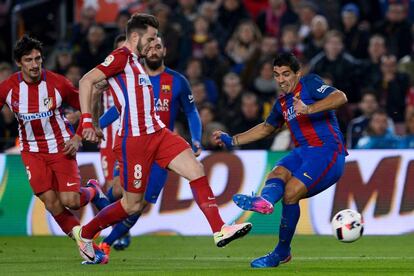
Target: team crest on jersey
(166, 88)
(108, 60)
(48, 102)
(144, 80)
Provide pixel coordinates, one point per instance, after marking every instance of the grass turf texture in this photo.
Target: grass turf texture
(172, 255)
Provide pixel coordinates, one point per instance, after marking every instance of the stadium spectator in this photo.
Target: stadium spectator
(312, 122)
(230, 14)
(93, 50)
(120, 23)
(408, 139)
(392, 88)
(5, 70)
(272, 20)
(357, 126)
(264, 84)
(307, 10)
(290, 42)
(74, 74)
(356, 39)
(406, 64)
(215, 65)
(80, 30)
(61, 58)
(194, 73)
(184, 15)
(313, 43)
(396, 29)
(8, 124)
(230, 101)
(378, 135)
(342, 66)
(371, 66)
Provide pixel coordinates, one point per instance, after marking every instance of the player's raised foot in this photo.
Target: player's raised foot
(86, 249)
(229, 233)
(123, 242)
(106, 248)
(253, 203)
(99, 200)
(271, 259)
(100, 257)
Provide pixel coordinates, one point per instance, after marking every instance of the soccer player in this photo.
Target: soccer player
(142, 139)
(48, 146)
(307, 107)
(171, 93)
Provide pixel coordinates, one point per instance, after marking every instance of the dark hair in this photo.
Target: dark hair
(287, 59)
(119, 38)
(25, 45)
(140, 22)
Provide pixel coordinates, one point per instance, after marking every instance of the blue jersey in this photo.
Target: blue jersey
(313, 130)
(172, 92)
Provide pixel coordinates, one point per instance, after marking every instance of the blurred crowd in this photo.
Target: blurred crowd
(225, 49)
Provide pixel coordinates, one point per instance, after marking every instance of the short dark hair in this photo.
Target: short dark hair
(287, 59)
(25, 45)
(119, 38)
(140, 22)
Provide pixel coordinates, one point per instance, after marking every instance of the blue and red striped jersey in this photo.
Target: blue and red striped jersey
(310, 130)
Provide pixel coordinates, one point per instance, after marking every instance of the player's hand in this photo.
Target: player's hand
(102, 85)
(89, 134)
(99, 133)
(72, 146)
(196, 148)
(223, 139)
(300, 107)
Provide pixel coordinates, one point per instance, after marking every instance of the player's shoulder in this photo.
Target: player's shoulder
(53, 75)
(174, 73)
(117, 55)
(10, 82)
(311, 79)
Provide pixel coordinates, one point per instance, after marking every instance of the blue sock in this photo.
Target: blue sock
(273, 190)
(110, 195)
(121, 229)
(290, 217)
(101, 202)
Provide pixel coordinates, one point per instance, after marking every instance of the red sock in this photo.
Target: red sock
(66, 221)
(109, 215)
(86, 195)
(205, 199)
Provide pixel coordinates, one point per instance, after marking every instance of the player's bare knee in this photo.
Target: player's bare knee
(291, 195)
(281, 173)
(195, 171)
(71, 203)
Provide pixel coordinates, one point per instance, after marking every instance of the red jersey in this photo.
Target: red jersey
(42, 125)
(110, 131)
(132, 92)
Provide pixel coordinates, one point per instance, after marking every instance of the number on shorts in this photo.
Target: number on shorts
(137, 171)
(29, 175)
(104, 164)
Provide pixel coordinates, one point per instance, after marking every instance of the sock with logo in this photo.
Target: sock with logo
(273, 190)
(121, 229)
(205, 199)
(107, 216)
(86, 195)
(290, 217)
(66, 220)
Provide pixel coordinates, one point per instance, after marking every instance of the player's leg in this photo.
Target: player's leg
(114, 191)
(177, 155)
(41, 180)
(274, 187)
(157, 179)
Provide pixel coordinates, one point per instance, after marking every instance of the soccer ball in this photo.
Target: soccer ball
(347, 225)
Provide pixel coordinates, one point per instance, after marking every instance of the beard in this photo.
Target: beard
(153, 64)
(140, 48)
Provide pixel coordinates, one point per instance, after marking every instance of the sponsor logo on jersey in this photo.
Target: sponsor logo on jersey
(108, 60)
(35, 116)
(322, 88)
(289, 114)
(144, 80)
(162, 104)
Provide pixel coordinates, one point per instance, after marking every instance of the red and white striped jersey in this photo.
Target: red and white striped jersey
(37, 108)
(132, 92)
(110, 131)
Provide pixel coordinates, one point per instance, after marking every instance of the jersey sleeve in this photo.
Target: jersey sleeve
(3, 94)
(275, 117)
(70, 92)
(317, 88)
(114, 63)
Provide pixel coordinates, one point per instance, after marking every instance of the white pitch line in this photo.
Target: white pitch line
(293, 257)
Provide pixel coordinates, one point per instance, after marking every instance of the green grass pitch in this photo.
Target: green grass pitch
(177, 255)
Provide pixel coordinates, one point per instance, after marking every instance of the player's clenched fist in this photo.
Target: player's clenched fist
(88, 130)
(300, 107)
(223, 139)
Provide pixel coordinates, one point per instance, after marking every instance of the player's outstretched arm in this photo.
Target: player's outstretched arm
(332, 101)
(254, 134)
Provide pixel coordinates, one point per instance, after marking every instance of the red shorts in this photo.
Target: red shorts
(137, 154)
(51, 171)
(107, 162)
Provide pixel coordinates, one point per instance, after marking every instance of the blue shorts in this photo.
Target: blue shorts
(157, 179)
(317, 167)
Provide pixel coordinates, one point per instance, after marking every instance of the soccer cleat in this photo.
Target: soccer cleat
(100, 257)
(106, 248)
(271, 259)
(123, 242)
(253, 203)
(86, 249)
(229, 233)
(99, 200)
